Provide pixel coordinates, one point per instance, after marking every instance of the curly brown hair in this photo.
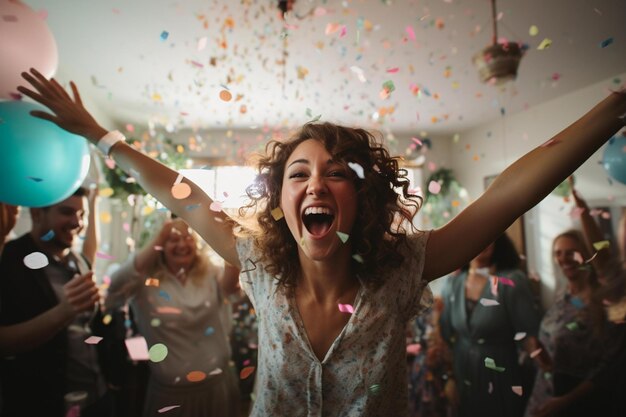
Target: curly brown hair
(382, 212)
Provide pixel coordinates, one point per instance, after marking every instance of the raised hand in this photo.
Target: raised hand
(68, 113)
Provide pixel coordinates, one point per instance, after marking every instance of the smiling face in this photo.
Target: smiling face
(55, 227)
(565, 249)
(179, 249)
(318, 199)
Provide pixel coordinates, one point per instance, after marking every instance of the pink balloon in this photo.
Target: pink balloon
(25, 42)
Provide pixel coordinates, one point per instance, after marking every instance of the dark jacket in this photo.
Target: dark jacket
(33, 382)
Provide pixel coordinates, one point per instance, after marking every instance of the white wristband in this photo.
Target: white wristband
(107, 141)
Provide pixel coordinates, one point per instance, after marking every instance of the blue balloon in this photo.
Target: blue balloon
(40, 163)
(614, 159)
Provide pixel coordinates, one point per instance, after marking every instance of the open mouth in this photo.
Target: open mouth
(318, 220)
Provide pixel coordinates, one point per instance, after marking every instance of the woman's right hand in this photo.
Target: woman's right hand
(67, 113)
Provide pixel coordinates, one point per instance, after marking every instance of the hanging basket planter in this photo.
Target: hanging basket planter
(498, 63)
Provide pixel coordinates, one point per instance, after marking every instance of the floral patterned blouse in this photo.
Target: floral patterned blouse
(363, 372)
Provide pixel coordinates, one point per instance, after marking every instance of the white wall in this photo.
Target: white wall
(488, 149)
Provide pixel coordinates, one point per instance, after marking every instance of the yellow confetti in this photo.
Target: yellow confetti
(106, 192)
(107, 319)
(105, 217)
(147, 210)
(533, 30)
(545, 44)
(277, 213)
(156, 97)
(603, 244)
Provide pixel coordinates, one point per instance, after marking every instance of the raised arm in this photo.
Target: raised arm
(229, 280)
(156, 178)
(592, 232)
(90, 244)
(522, 185)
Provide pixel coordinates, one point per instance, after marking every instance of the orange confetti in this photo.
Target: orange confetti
(196, 376)
(246, 372)
(225, 95)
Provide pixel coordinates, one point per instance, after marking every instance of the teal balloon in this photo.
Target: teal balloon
(40, 163)
(614, 159)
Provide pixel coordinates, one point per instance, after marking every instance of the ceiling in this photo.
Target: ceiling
(339, 55)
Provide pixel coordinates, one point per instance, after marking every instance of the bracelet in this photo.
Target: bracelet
(107, 141)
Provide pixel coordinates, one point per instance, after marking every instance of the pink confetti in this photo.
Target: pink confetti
(168, 408)
(534, 353)
(434, 187)
(517, 389)
(103, 255)
(578, 258)
(413, 349)
(416, 140)
(494, 286)
(126, 227)
(137, 348)
(168, 310)
(343, 31)
(393, 70)
(93, 340)
(197, 64)
(410, 32)
(506, 281)
(216, 206)
(346, 308)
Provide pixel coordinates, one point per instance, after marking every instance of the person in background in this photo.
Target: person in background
(486, 306)
(572, 351)
(333, 283)
(178, 301)
(8, 218)
(56, 361)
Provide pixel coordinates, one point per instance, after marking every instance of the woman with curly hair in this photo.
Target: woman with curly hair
(333, 279)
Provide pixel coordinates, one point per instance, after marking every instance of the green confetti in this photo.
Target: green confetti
(158, 352)
(491, 364)
(572, 326)
(343, 236)
(357, 258)
(374, 389)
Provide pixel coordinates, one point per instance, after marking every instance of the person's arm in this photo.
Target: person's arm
(90, 244)
(591, 231)
(228, 280)
(8, 218)
(80, 294)
(522, 185)
(156, 178)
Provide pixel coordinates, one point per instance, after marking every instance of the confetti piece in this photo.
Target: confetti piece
(202, 43)
(491, 364)
(168, 310)
(577, 302)
(506, 281)
(181, 191)
(606, 42)
(277, 213)
(216, 371)
(603, 244)
(168, 408)
(545, 44)
(345, 308)
(157, 352)
(359, 73)
(517, 389)
(196, 376)
(578, 258)
(216, 206)
(93, 340)
(246, 372)
(155, 322)
(358, 169)
(106, 192)
(374, 389)
(137, 348)
(164, 35)
(48, 236)
(533, 30)
(519, 336)
(106, 320)
(36, 260)
(534, 353)
(572, 326)
(434, 187)
(103, 255)
(192, 207)
(209, 331)
(410, 32)
(358, 258)
(158, 248)
(225, 95)
(152, 282)
(343, 236)
(488, 302)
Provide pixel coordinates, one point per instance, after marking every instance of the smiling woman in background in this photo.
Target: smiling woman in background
(177, 297)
